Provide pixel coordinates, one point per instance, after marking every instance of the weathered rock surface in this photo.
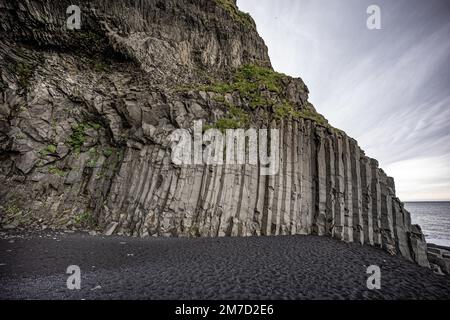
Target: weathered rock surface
(439, 258)
(85, 117)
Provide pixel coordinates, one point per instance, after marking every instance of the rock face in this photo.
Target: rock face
(86, 116)
(439, 258)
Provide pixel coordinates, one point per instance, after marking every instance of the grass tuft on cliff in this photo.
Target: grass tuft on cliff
(237, 15)
(252, 81)
(259, 88)
(57, 171)
(286, 110)
(236, 118)
(78, 136)
(86, 220)
(24, 72)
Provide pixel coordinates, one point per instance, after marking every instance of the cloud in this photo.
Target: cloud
(422, 179)
(387, 88)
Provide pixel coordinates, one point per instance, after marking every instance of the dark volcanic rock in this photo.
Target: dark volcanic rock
(85, 117)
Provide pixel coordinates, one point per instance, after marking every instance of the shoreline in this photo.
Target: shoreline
(432, 245)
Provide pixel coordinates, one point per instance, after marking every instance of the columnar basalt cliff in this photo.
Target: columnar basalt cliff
(86, 115)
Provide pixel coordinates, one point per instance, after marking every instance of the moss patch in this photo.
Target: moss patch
(12, 210)
(50, 149)
(108, 152)
(24, 72)
(286, 110)
(250, 81)
(309, 113)
(236, 14)
(236, 118)
(16, 215)
(86, 220)
(93, 158)
(259, 88)
(78, 136)
(55, 170)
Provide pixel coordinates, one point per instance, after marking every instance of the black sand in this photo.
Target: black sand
(292, 267)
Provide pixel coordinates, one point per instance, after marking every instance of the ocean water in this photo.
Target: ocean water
(434, 218)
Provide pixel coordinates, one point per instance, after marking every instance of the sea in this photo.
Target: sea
(434, 218)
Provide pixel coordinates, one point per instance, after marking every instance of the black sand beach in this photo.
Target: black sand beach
(290, 267)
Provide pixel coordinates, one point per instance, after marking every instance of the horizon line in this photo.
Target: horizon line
(437, 201)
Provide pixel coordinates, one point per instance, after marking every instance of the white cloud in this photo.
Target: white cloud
(422, 179)
(386, 88)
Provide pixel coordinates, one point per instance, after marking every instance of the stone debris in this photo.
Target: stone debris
(439, 257)
(111, 228)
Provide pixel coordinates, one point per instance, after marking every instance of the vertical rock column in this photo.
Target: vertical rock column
(366, 193)
(338, 230)
(348, 197)
(355, 158)
(321, 183)
(297, 180)
(376, 203)
(387, 225)
(287, 198)
(401, 229)
(418, 246)
(307, 201)
(330, 185)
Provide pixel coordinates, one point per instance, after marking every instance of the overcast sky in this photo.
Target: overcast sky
(387, 88)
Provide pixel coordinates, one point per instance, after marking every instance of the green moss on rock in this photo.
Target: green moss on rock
(23, 72)
(249, 80)
(287, 110)
(236, 14)
(50, 149)
(108, 152)
(86, 220)
(236, 118)
(78, 136)
(258, 85)
(55, 170)
(12, 209)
